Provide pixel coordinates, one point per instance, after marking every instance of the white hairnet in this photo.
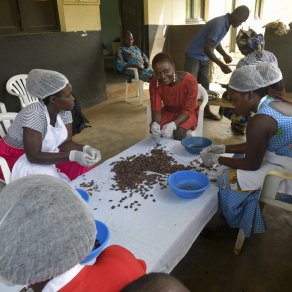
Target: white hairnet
(45, 229)
(252, 77)
(41, 83)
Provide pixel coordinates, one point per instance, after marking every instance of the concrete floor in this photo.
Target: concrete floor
(265, 263)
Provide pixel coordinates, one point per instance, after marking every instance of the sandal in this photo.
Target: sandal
(238, 128)
(211, 116)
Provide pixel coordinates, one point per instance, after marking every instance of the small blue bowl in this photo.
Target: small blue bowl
(84, 195)
(188, 184)
(195, 145)
(102, 236)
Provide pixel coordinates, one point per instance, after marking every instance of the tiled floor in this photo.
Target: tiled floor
(265, 263)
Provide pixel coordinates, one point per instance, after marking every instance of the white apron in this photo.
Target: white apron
(54, 137)
(253, 180)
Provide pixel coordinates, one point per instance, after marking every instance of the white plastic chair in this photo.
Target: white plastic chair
(202, 95)
(16, 85)
(139, 85)
(267, 196)
(5, 170)
(5, 122)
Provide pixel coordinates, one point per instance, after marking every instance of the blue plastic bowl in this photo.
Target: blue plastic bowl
(188, 184)
(84, 195)
(102, 236)
(195, 145)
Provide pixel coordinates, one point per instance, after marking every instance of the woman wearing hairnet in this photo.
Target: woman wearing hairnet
(39, 140)
(251, 46)
(267, 147)
(46, 230)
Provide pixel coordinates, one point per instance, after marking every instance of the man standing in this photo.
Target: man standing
(200, 51)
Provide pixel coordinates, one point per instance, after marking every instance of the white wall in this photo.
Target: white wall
(168, 12)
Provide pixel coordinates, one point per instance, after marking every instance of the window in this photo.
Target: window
(24, 16)
(194, 10)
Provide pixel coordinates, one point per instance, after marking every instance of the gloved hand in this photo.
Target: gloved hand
(82, 158)
(167, 130)
(209, 158)
(94, 153)
(155, 130)
(216, 149)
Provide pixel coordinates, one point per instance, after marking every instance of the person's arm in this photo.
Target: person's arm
(32, 143)
(208, 50)
(133, 66)
(155, 102)
(139, 59)
(68, 144)
(156, 116)
(120, 62)
(146, 60)
(190, 101)
(236, 148)
(259, 129)
(227, 58)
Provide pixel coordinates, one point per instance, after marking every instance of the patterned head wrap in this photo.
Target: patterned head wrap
(249, 41)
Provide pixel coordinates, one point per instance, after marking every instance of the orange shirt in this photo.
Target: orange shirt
(114, 268)
(173, 100)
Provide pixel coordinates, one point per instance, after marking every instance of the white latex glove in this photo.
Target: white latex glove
(82, 158)
(155, 130)
(216, 149)
(209, 158)
(94, 153)
(167, 130)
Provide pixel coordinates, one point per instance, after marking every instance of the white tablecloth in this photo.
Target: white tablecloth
(160, 232)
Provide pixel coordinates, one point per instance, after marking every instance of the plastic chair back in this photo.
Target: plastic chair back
(139, 85)
(5, 170)
(5, 122)
(202, 95)
(16, 85)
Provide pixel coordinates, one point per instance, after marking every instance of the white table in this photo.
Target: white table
(160, 232)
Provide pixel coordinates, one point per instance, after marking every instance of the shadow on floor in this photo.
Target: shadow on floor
(264, 265)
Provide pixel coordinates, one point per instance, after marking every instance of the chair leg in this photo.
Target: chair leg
(137, 88)
(127, 89)
(141, 92)
(239, 242)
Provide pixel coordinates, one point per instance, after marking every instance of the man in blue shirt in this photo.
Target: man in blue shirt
(200, 51)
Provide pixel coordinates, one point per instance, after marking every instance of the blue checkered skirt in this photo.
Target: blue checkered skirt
(240, 208)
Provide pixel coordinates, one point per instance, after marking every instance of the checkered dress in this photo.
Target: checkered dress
(241, 208)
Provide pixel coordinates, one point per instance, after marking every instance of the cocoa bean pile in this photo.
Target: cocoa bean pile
(131, 172)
